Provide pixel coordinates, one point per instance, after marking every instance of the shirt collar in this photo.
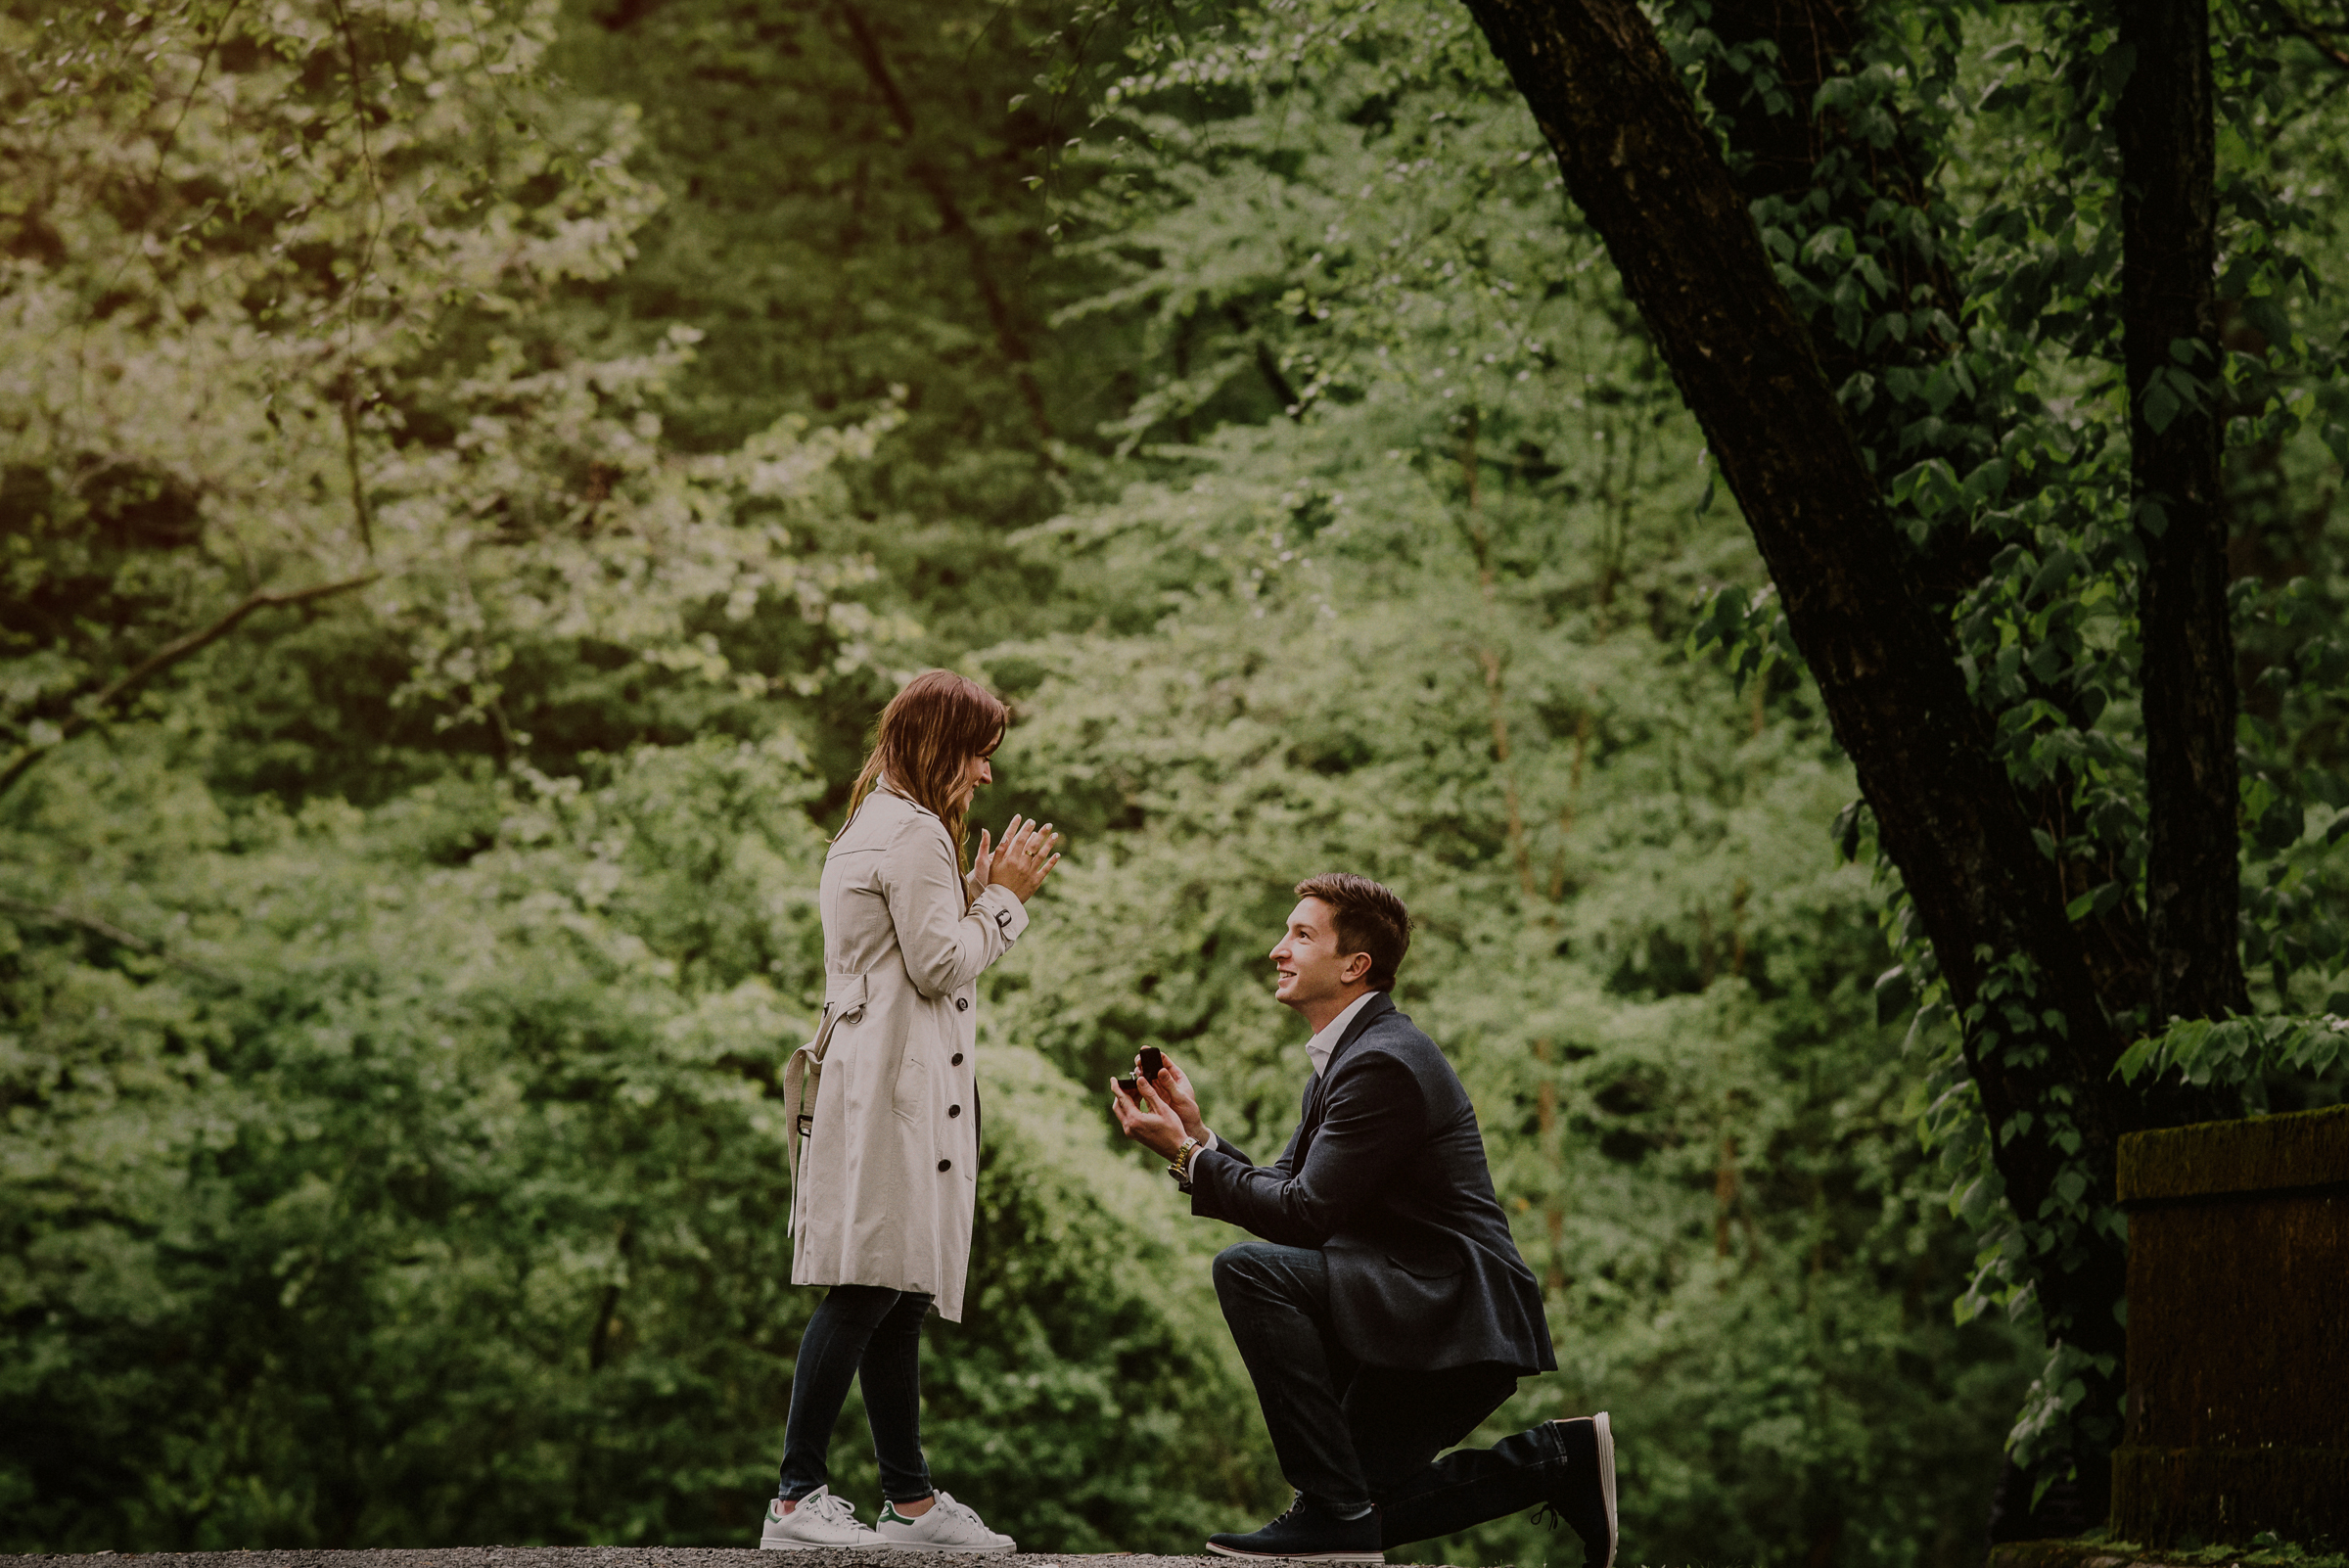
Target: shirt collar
(1326, 1040)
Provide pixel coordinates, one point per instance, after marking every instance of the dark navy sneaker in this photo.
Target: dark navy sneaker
(1308, 1533)
(1584, 1496)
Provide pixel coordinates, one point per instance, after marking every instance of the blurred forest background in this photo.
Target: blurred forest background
(475, 468)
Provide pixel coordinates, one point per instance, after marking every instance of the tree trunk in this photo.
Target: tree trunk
(2170, 334)
(1814, 168)
(1782, 154)
(1648, 179)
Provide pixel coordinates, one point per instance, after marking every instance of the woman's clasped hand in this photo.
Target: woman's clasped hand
(1020, 864)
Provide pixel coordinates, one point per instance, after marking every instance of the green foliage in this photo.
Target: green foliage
(1978, 317)
(281, 317)
(1422, 619)
(410, 1172)
(392, 991)
(849, 228)
(2241, 1050)
(444, 1200)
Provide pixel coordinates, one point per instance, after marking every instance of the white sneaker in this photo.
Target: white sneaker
(821, 1522)
(948, 1526)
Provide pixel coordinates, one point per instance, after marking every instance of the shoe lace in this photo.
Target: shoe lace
(830, 1509)
(1549, 1514)
(961, 1512)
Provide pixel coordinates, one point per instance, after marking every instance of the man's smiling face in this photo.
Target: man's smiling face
(1306, 966)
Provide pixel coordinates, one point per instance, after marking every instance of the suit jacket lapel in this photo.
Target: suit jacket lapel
(1310, 1122)
(1377, 1007)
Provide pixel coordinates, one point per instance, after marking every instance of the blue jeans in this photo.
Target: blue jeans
(1348, 1435)
(872, 1334)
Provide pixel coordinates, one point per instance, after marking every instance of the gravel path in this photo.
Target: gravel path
(591, 1557)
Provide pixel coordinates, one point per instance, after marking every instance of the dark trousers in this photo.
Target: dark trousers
(1348, 1435)
(874, 1335)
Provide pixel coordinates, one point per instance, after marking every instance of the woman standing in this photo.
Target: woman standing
(888, 1159)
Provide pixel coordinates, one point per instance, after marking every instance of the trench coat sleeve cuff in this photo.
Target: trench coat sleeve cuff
(1001, 905)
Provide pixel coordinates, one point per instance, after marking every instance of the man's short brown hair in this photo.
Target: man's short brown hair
(1369, 919)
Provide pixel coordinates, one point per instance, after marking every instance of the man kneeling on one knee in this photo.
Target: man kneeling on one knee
(1386, 1311)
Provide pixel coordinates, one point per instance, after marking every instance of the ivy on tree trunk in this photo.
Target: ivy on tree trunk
(1869, 618)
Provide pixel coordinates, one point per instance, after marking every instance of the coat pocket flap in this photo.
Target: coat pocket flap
(1427, 1262)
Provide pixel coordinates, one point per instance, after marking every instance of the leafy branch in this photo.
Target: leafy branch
(2238, 1051)
(164, 658)
(1017, 355)
(2309, 33)
(58, 915)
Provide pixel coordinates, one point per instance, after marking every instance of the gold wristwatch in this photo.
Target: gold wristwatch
(1180, 1167)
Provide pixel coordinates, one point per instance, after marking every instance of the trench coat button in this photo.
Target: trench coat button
(959, 1058)
(945, 1165)
(962, 1005)
(953, 1110)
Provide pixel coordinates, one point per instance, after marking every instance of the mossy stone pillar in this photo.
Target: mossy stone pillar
(2238, 1331)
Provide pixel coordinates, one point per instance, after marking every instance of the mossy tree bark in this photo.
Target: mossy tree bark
(1642, 169)
(1867, 613)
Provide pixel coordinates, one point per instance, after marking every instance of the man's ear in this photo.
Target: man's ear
(1354, 971)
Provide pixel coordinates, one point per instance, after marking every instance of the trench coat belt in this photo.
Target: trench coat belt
(803, 1075)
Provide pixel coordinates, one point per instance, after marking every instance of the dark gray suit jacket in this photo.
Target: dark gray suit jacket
(1385, 1175)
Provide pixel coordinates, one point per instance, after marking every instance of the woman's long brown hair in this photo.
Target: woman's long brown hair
(925, 735)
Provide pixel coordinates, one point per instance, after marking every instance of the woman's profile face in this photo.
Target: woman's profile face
(976, 770)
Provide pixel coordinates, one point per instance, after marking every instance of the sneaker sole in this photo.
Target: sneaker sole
(1606, 1481)
(1298, 1556)
(1004, 1551)
(812, 1545)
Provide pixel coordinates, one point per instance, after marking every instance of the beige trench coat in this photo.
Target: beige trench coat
(888, 1172)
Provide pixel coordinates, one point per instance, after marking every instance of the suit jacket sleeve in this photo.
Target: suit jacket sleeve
(1224, 1145)
(1374, 1109)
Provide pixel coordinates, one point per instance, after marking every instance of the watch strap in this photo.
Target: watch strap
(1180, 1168)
